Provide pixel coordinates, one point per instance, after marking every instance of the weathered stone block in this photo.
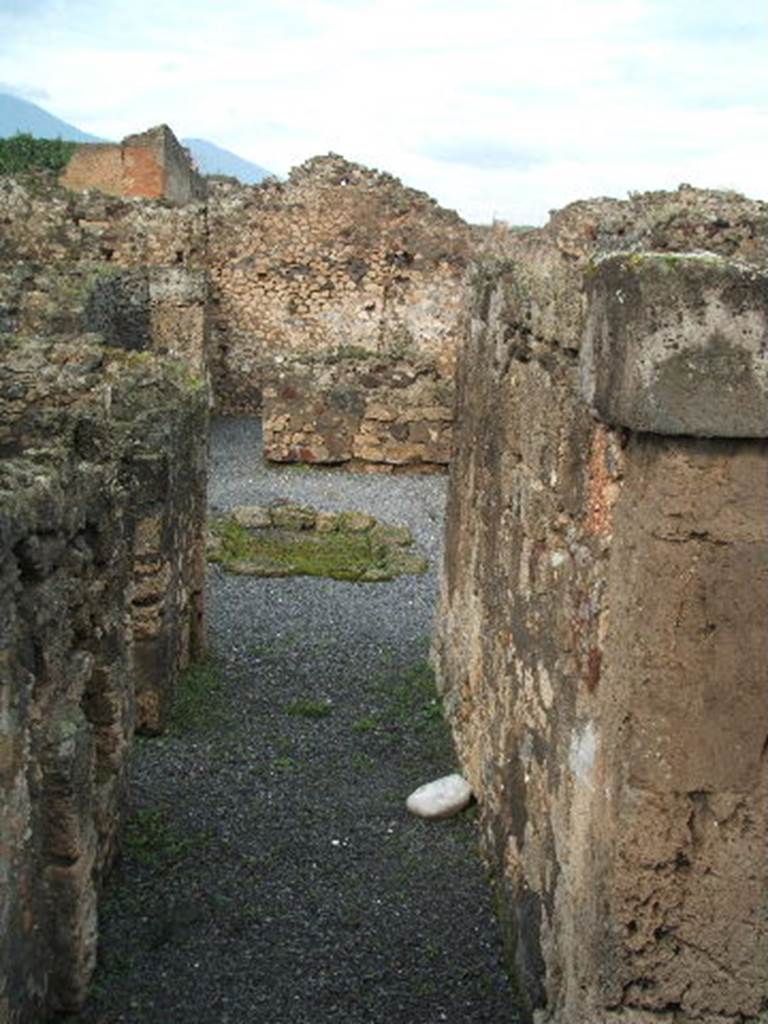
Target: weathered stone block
(320, 416)
(676, 344)
(292, 517)
(356, 522)
(253, 517)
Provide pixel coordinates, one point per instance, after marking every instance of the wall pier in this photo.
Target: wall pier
(603, 647)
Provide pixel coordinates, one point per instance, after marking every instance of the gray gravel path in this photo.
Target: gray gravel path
(271, 873)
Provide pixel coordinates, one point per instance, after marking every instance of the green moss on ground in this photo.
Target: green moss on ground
(347, 552)
(306, 708)
(410, 701)
(150, 837)
(198, 695)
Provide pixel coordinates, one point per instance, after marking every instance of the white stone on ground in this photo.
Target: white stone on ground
(441, 798)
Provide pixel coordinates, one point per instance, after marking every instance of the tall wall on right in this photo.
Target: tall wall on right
(603, 637)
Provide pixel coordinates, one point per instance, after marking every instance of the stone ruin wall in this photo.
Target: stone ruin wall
(132, 271)
(602, 639)
(612, 866)
(102, 488)
(336, 299)
(386, 415)
(331, 302)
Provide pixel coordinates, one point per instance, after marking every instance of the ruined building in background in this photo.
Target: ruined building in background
(602, 641)
(152, 165)
(335, 304)
(133, 271)
(331, 301)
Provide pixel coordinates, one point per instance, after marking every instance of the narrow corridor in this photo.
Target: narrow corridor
(271, 872)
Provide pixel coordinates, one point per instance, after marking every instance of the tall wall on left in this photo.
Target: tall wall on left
(101, 561)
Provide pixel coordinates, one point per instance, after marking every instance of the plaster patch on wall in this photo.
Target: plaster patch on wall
(581, 755)
(545, 688)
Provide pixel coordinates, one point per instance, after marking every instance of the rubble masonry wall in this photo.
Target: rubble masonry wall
(602, 641)
(336, 303)
(330, 303)
(74, 262)
(102, 486)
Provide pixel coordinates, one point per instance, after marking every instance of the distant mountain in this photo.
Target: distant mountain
(17, 115)
(211, 159)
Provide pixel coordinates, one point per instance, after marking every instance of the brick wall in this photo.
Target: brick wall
(152, 165)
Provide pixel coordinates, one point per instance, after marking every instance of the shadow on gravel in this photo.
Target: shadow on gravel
(270, 872)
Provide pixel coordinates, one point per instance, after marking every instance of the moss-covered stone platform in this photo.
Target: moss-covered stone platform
(293, 540)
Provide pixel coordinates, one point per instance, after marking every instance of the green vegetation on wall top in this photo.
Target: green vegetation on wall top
(24, 153)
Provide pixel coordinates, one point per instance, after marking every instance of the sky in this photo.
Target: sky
(500, 109)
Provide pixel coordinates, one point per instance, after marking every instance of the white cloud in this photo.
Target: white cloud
(25, 92)
(493, 106)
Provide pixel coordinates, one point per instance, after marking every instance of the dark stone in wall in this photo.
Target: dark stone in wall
(118, 307)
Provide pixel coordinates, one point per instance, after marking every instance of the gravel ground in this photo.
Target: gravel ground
(271, 872)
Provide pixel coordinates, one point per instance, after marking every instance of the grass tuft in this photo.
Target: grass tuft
(305, 708)
(198, 696)
(150, 838)
(410, 701)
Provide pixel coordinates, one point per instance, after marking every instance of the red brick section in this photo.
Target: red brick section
(152, 165)
(143, 174)
(117, 170)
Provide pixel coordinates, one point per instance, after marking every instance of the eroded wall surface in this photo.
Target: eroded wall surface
(132, 271)
(367, 412)
(603, 633)
(44, 223)
(101, 521)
